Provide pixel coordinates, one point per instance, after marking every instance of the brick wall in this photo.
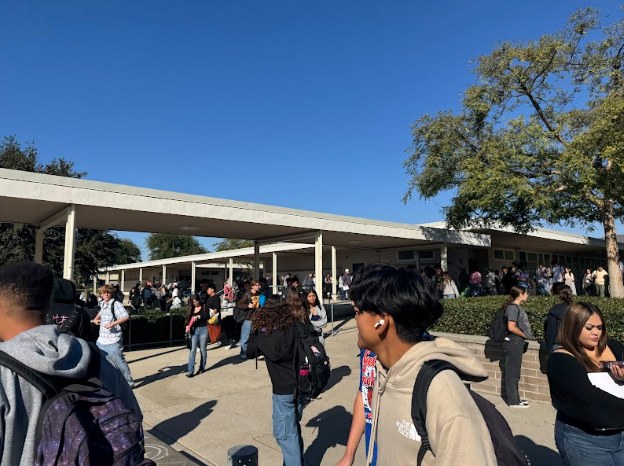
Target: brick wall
(533, 381)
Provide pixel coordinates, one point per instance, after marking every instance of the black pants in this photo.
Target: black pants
(514, 348)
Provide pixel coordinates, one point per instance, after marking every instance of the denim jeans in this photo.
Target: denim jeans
(287, 427)
(115, 351)
(579, 448)
(448, 296)
(600, 290)
(245, 331)
(543, 289)
(200, 337)
(514, 348)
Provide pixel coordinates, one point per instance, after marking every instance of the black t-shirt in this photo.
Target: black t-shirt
(214, 302)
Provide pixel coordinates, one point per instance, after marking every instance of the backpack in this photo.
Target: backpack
(80, 422)
(312, 366)
(506, 449)
(497, 330)
(147, 295)
(76, 324)
(124, 326)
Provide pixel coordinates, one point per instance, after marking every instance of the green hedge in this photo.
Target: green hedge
(472, 316)
(152, 326)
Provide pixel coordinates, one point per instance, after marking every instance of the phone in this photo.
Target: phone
(606, 365)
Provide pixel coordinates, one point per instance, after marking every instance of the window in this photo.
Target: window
(428, 254)
(503, 254)
(499, 254)
(522, 256)
(532, 256)
(509, 255)
(406, 255)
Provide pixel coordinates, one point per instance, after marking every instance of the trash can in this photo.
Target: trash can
(243, 455)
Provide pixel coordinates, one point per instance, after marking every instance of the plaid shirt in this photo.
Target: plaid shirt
(109, 336)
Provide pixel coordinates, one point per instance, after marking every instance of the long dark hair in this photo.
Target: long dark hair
(190, 308)
(274, 315)
(574, 319)
(514, 293)
(296, 306)
(565, 294)
(316, 300)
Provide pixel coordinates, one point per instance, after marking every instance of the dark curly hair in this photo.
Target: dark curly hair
(274, 315)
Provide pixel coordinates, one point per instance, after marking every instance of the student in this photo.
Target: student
(251, 301)
(25, 289)
(361, 422)
(519, 330)
(393, 309)
(274, 335)
(316, 314)
(554, 317)
(112, 314)
(197, 326)
(599, 280)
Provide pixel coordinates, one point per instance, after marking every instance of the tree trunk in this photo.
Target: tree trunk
(616, 288)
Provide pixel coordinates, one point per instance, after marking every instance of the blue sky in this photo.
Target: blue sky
(303, 104)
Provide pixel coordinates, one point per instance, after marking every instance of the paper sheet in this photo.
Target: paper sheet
(605, 382)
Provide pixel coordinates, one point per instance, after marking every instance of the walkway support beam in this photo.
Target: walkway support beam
(256, 270)
(70, 243)
(318, 262)
(334, 278)
(193, 276)
(231, 272)
(275, 275)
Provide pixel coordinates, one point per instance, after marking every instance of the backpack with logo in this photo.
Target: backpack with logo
(81, 422)
(77, 323)
(497, 330)
(312, 365)
(506, 449)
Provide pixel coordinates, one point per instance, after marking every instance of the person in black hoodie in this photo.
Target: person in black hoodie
(274, 335)
(66, 314)
(553, 319)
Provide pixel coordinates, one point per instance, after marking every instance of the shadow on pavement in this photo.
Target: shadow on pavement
(538, 454)
(178, 426)
(333, 428)
(163, 373)
(337, 375)
(236, 359)
(152, 356)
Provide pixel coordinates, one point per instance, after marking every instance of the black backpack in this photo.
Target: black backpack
(77, 323)
(312, 365)
(506, 449)
(497, 330)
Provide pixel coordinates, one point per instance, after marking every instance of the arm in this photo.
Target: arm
(358, 424)
(513, 328)
(121, 315)
(512, 313)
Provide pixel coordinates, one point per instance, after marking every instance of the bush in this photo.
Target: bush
(472, 316)
(152, 325)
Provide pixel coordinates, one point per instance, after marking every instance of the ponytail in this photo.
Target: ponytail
(514, 293)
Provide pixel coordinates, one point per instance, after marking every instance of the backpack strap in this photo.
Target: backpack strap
(42, 382)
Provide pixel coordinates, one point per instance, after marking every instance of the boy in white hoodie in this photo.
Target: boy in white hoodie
(394, 307)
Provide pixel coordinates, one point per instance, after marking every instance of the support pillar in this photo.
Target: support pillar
(275, 274)
(444, 258)
(164, 273)
(333, 270)
(39, 246)
(256, 271)
(318, 262)
(193, 276)
(108, 278)
(123, 281)
(231, 271)
(141, 276)
(70, 239)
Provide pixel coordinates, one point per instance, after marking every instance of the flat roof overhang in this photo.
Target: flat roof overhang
(31, 198)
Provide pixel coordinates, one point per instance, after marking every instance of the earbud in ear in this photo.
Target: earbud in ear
(380, 323)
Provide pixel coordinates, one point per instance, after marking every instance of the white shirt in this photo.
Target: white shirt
(109, 336)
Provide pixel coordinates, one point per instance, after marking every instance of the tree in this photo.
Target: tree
(94, 248)
(227, 244)
(539, 138)
(163, 246)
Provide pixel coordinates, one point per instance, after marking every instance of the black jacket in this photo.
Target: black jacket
(278, 349)
(551, 326)
(62, 307)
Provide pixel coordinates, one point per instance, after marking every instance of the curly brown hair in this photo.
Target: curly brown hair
(274, 315)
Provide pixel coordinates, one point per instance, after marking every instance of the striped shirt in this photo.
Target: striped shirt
(109, 336)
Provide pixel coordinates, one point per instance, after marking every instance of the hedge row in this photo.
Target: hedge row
(152, 326)
(472, 316)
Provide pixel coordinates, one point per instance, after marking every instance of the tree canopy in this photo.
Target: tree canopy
(228, 244)
(539, 138)
(163, 246)
(94, 248)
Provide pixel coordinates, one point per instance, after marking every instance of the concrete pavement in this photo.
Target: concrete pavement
(230, 404)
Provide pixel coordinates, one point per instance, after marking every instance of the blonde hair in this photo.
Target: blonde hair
(106, 289)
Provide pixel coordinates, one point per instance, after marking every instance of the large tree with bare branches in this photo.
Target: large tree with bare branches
(539, 139)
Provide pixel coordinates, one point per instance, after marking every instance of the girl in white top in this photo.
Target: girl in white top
(568, 278)
(449, 289)
(317, 314)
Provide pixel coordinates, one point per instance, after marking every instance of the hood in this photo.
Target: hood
(47, 350)
(63, 291)
(558, 310)
(403, 373)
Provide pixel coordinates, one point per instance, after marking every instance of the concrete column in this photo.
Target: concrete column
(70, 239)
(256, 261)
(333, 268)
(39, 246)
(231, 271)
(108, 278)
(123, 281)
(193, 276)
(444, 258)
(275, 274)
(141, 276)
(164, 277)
(318, 262)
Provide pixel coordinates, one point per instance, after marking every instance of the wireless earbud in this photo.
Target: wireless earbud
(380, 323)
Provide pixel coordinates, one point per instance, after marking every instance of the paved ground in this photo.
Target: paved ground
(202, 417)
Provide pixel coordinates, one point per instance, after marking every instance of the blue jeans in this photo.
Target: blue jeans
(448, 296)
(245, 331)
(543, 289)
(287, 427)
(115, 351)
(200, 337)
(579, 448)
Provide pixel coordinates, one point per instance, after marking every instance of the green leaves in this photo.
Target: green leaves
(162, 246)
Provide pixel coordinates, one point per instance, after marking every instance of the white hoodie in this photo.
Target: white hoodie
(457, 432)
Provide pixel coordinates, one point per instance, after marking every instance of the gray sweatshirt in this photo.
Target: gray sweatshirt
(48, 351)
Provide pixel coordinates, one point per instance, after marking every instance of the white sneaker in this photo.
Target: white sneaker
(522, 404)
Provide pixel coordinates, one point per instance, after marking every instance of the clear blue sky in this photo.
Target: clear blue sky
(303, 104)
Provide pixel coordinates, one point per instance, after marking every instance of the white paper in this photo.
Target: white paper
(605, 382)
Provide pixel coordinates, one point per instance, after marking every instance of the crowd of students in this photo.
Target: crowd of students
(394, 308)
